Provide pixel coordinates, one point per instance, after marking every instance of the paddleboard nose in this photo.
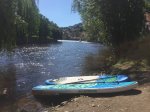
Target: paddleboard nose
(50, 82)
(122, 77)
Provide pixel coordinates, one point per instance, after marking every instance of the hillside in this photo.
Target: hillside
(74, 32)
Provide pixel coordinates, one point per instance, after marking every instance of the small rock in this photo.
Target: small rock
(85, 96)
(63, 103)
(122, 110)
(5, 91)
(55, 109)
(75, 99)
(93, 105)
(45, 111)
(57, 106)
(98, 105)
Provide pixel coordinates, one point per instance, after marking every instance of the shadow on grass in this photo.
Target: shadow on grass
(64, 98)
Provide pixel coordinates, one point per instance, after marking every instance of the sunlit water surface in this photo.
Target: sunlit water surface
(27, 67)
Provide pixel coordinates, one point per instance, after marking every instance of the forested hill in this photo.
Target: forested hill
(74, 32)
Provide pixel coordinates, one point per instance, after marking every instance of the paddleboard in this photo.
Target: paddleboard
(83, 88)
(87, 79)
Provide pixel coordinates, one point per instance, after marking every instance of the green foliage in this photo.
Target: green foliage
(111, 21)
(7, 18)
(21, 23)
(124, 19)
(28, 13)
(48, 30)
(147, 5)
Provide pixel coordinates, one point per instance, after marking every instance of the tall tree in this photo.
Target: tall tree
(28, 21)
(112, 21)
(7, 27)
(48, 30)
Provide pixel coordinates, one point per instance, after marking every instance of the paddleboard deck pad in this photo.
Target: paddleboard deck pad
(87, 79)
(83, 88)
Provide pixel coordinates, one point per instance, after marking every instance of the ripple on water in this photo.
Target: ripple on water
(23, 65)
(32, 65)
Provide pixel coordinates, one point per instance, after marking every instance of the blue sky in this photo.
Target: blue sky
(59, 11)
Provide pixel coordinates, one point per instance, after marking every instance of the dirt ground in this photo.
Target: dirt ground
(137, 100)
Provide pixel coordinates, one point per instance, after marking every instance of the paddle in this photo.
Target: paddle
(87, 79)
(101, 80)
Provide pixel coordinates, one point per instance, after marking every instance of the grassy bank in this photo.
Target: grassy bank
(133, 60)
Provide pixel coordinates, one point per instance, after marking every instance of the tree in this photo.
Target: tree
(48, 30)
(7, 27)
(27, 21)
(113, 22)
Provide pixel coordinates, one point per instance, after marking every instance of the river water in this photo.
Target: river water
(29, 66)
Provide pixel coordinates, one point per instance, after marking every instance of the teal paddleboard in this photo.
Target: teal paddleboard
(83, 88)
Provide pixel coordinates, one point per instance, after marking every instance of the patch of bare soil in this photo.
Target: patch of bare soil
(137, 100)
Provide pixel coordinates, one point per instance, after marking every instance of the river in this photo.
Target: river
(29, 66)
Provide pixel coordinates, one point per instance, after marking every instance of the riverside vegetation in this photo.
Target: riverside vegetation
(21, 23)
(120, 25)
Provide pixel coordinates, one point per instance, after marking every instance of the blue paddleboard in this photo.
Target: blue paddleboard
(83, 88)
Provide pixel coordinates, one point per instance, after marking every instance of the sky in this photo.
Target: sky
(59, 11)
